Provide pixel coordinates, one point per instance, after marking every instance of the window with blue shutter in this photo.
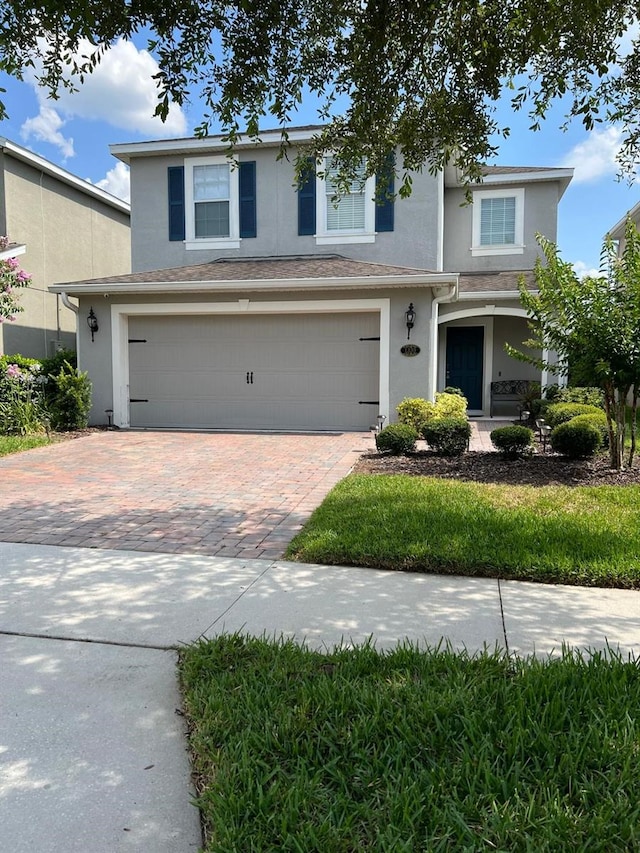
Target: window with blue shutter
(176, 202)
(247, 199)
(307, 201)
(385, 206)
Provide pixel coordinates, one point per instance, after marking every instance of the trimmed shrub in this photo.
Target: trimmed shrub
(70, 399)
(561, 413)
(575, 440)
(599, 421)
(450, 389)
(512, 441)
(450, 405)
(397, 439)
(448, 436)
(415, 412)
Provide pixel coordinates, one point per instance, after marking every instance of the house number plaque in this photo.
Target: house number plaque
(410, 349)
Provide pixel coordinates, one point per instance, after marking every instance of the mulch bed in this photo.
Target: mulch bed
(541, 469)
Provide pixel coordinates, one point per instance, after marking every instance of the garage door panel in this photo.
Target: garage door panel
(305, 371)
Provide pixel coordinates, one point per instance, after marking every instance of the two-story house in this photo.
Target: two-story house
(66, 228)
(255, 303)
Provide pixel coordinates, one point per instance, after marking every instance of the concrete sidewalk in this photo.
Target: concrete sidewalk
(92, 753)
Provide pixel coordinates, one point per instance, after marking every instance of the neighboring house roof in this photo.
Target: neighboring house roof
(86, 187)
(495, 284)
(306, 272)
(617, 232)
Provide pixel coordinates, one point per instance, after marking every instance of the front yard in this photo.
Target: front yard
(359, 750)
(587, 535)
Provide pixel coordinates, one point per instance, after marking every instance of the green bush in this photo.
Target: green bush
(22, 405)
(447, 436)
(575, 440)
(70, 399)
(450, 405)
(599, 421)
(512, 441)
(397, 439)
(561, 413)
(588, 396)
(415, 412)
(451, 389)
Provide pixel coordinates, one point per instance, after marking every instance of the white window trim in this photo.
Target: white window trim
(233, 240)
(516, 248)
(324, 237)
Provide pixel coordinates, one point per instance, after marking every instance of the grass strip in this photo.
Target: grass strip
(409, 750)
(16, 443)
(586, 535)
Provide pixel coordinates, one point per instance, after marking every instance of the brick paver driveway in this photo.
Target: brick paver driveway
(233, 495)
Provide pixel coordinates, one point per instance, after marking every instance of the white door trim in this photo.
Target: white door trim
(120, 314)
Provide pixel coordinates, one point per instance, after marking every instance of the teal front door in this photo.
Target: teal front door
(465, 350)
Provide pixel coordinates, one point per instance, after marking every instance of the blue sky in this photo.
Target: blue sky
(116, 105)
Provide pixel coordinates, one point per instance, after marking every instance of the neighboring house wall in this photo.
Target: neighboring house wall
(69, 233)
(414, 241)
(539, 205)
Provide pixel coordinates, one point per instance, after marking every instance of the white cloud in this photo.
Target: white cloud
(116, 182)
(46, 127)
(120, 91)
(596, 156)
(583, 270)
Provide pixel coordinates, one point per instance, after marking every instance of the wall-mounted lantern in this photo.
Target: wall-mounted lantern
(410, 319)
(92, 323)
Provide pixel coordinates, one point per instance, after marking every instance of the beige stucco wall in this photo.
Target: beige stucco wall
(69, 235)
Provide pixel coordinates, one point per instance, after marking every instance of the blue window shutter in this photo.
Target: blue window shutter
(247, 187)
(384, 211)
(176, 202)
(307, 201)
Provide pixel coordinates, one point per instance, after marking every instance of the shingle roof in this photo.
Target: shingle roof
(264, 269)
(495, 282)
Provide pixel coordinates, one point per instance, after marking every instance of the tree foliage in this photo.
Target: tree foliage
(595, 321)
(423, 76)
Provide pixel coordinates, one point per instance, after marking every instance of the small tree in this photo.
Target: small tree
(12, 278)
(596, 322)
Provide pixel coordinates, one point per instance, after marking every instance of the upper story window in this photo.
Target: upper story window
(345, 217)
(498, 222)
(211, 203)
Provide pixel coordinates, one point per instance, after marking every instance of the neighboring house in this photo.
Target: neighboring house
(65, 228)
(255, 304)
(617, 232)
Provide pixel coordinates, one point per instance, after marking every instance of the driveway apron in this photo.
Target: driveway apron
(230, 495)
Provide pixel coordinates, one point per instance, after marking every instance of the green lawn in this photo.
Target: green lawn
(16, 443)
(411, 752)
(586, 535)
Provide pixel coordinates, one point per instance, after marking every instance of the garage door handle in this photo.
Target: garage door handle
(249, 377)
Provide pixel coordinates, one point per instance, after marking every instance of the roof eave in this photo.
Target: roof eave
(322, 284)
(62, 175)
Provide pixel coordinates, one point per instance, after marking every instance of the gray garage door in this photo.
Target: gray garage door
(289, 371)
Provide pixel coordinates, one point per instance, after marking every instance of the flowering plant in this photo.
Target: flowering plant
(12, 278)
(22, 407)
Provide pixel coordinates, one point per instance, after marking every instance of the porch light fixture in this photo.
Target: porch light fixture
(410, 318)
(92, 323)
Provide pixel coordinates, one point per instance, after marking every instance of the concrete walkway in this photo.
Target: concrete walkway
(92, 752)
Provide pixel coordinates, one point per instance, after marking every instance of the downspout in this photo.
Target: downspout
(449, 295)
(76, 310)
